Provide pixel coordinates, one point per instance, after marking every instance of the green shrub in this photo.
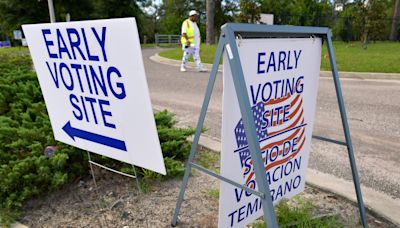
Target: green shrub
(25, 132)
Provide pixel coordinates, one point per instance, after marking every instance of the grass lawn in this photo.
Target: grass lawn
(379, 57)
(13, 50)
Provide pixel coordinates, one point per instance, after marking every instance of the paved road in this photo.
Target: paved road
(373, 109)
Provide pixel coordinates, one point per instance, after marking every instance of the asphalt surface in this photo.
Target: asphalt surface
(373, 110)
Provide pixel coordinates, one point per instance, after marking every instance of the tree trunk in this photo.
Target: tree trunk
(210, 8)
(395, 21)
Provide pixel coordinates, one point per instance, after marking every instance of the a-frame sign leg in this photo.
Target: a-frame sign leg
(250, 130)
(356, 179)
(199, 127)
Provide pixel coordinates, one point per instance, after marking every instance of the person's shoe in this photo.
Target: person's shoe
(200, 68)
(183, 69)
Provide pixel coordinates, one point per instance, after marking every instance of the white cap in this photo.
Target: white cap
(192, 12)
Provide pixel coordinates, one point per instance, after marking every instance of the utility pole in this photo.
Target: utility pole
(51, 11)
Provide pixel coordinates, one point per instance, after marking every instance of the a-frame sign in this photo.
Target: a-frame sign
(229, 40)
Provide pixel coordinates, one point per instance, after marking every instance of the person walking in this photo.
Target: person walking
(190, 40)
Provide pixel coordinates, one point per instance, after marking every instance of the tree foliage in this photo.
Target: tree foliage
(299, 12)
(360, 19)
(249, 11)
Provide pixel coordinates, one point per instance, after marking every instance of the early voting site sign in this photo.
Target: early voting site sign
(93, 81)
(281, 78)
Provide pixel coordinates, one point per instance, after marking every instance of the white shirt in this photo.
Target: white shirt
(195, 30)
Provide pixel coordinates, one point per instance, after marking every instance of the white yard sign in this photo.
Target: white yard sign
(94, 85)
(282, 81)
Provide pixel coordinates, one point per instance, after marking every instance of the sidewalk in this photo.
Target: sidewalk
(342, 74)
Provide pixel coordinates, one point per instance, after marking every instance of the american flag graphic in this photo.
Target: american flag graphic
(289, 130)
(241, 139)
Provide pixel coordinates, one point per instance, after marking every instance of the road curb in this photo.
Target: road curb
(18, 225)
(377, 202)
(159, 59)
(342, 74)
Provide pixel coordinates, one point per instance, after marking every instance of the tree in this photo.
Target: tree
(395, 21)
(172, 13)
(371, 16)
(224, 14)
(15, 13)
(299, 12)
(249, 11)
(210, 8)
(345, 27)
(281, 9)
(78, 9)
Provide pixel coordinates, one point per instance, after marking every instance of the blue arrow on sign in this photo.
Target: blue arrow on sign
(107, 141)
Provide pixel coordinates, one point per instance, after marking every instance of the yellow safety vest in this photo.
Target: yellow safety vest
(189, 33)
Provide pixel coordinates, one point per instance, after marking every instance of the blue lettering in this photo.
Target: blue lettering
(294, 142)
(121, 95)
(279, 192)
(268, 176)
(254, 98)
(241, 213)
(271, 62)
(54, 73)
(105, 113)
(91, 101)
(296, 57)
(238, 194)
(288, 187)
(91, 57)
(289, 86)
(260, 63)
(62, 47)
(102, 41)
(77, 67)
(297, 162)
(64, 66)
(84, 109)
(274, 179)
(286, 109)
(48, 43)
(276, 83)
(299, 83)
(286, 148)
(73, 99)
(247, 165)
(231, 215)
(278, 112)
(87, 79)
(98, 81)
(266, 98)
(289, 67)
(282, 58)
(252, 185)
(275, 153)
(286, 170)
(298, 178)
(265, 120)
(75, 44)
